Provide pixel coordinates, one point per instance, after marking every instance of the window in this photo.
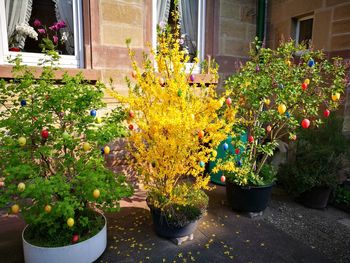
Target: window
(67, 37)
(303, 30)
(192, 24)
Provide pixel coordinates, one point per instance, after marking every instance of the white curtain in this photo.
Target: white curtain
(163, 8)
(17, 12)
(64, 11)
(189, 23)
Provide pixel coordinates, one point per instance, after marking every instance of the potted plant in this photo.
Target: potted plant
(52, 171)
(313, 173)
(174, 128)
(17, 39)
(277, 94)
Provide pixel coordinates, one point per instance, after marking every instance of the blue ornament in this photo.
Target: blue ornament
(287, 114)
(280, 86)
(311, 63)
(93, 113)
(239, 163)
(102, 151)
(225, 146)
(201, 164)
(23, 103)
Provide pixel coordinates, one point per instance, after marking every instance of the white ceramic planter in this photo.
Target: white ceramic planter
(84, 252)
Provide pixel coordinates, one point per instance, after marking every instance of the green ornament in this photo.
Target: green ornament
(179, 93)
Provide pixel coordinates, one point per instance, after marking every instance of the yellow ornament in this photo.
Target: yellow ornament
(48, 208)
(282, 108)
(214, 153)
(96, 193)
(267, 102)
(70, 222)
(107, 150)
(288, 63)
(86, 146)
(15, 209)
(336, 96)
(307, 81)
(21, 187)
(98, 120)
(22, 141)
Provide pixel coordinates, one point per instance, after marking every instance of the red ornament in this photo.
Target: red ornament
(228, 101)
(223, 179)
(75, 238)
(237, 151)
(131, 127)
(304, 86)
(251, 139)
(305, 123)
(131, 114)
(201, 134)
(45, 134)
(268, 128)
(326, 113)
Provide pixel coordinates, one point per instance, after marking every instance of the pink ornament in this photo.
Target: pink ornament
(228, 101)
(223, 179)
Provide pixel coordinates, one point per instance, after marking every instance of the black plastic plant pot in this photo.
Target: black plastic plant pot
(316, 197)
(248, 198)
(164, 229)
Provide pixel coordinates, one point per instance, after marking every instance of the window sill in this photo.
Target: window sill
(203, 79)
(89, 74)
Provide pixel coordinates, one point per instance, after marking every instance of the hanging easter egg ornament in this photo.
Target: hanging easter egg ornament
(225, 146)
(2, 184)
(201, 134)
(131, 127)
(106, 150)
(48, 208)
(223, 179)
(201, 164)
(237, 151)
(293, 137)
(93, 113)
(228, 101)
(267, 102)
(86, 146)
(75, 239)
(304, 86)
(21, 187)
(45, 134)
(326, 113)
(22, 141)
(15, 209)
(305, 123)
(96, 193)
(65, 135)
(239, 163)
(214, 153)
(281, 86)
(287, 114)
(307, 81)
(23, 103)
(192, 77)
(268, 128)
(102, 150)
(179, 93)
(98, 120)
(311, 63)
(131, 114)
(251, 139)
(282, 108)
(70, 222)
(336, 96)
(257, 68)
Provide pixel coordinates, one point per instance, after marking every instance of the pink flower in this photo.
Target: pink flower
(54, 27)
(41, 31)
(37, 23)
(61, 24)
(55, 39)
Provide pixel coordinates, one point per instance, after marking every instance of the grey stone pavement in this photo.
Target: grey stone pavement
(287, 232)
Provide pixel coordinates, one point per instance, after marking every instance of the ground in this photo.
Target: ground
(287, 232)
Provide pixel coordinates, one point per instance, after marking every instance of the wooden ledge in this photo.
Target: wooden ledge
(89, 74)
(203, 79)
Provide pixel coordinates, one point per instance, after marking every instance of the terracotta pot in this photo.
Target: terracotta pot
(15, 49)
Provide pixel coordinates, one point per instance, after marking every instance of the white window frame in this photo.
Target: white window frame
(31, 58)
(297, 28)
(200, 37)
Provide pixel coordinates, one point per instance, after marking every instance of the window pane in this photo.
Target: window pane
(305, 30)
(189, 26)
(48, 12)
